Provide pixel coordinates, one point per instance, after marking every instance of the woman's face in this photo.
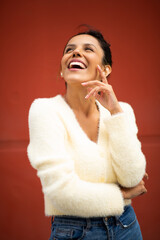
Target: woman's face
(81, 56)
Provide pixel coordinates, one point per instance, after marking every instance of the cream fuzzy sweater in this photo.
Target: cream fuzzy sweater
(80, 177)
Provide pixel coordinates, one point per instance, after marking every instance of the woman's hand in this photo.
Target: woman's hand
(107, 97)
(129, 193)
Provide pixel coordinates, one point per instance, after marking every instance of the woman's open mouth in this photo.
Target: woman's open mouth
(76, 64)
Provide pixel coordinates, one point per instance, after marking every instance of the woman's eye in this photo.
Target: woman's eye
(88, 49)
(68, 50)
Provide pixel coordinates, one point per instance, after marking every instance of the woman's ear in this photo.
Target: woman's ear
(60, 72)
(107, 70)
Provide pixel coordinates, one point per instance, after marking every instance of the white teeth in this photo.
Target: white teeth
(77, 64)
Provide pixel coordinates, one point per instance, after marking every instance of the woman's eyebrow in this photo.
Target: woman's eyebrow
(90, 44)
(70, 45)
(85, 44)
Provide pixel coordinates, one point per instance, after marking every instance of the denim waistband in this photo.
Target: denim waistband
(93, 221)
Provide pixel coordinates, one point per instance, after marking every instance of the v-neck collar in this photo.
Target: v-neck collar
(77, 123)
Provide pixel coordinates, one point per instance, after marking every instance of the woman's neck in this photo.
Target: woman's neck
(75, 97)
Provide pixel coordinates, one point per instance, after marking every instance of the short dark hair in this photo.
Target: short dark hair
(107, 59)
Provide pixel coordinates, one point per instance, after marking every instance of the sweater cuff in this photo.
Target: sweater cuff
(118, 123)
(114, 201)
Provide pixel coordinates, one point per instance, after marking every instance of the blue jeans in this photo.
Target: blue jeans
(124, 227)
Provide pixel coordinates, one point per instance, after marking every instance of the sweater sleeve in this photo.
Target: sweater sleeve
(127, 158)
(60, 183)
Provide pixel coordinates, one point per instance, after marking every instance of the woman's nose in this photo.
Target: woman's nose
(77, 52)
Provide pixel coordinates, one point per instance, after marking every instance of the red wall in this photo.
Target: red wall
(32, 37)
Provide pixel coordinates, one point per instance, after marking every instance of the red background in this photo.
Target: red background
(33, 34)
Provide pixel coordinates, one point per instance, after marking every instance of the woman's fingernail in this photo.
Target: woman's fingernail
(86, 96)
(83, 83)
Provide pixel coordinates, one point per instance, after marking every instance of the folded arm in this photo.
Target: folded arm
(68, 193)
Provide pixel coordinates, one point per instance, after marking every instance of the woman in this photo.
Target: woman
(84, 146)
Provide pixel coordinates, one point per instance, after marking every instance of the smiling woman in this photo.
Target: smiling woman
(85, 148)
(91, 51)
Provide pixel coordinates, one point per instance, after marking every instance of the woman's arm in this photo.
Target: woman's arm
(139, 189)
(127, 158)
(68, 193)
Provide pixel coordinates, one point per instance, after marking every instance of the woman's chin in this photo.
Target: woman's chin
(77, 79)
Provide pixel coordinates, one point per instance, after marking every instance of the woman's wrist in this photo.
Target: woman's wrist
(116, 110)
(123, 193)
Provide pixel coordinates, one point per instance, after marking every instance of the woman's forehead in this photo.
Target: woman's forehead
(83, 39)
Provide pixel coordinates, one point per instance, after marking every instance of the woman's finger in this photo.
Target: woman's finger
(92, 83)
(93, 92)
(103, 76)
(146, 175)
(97, 90)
